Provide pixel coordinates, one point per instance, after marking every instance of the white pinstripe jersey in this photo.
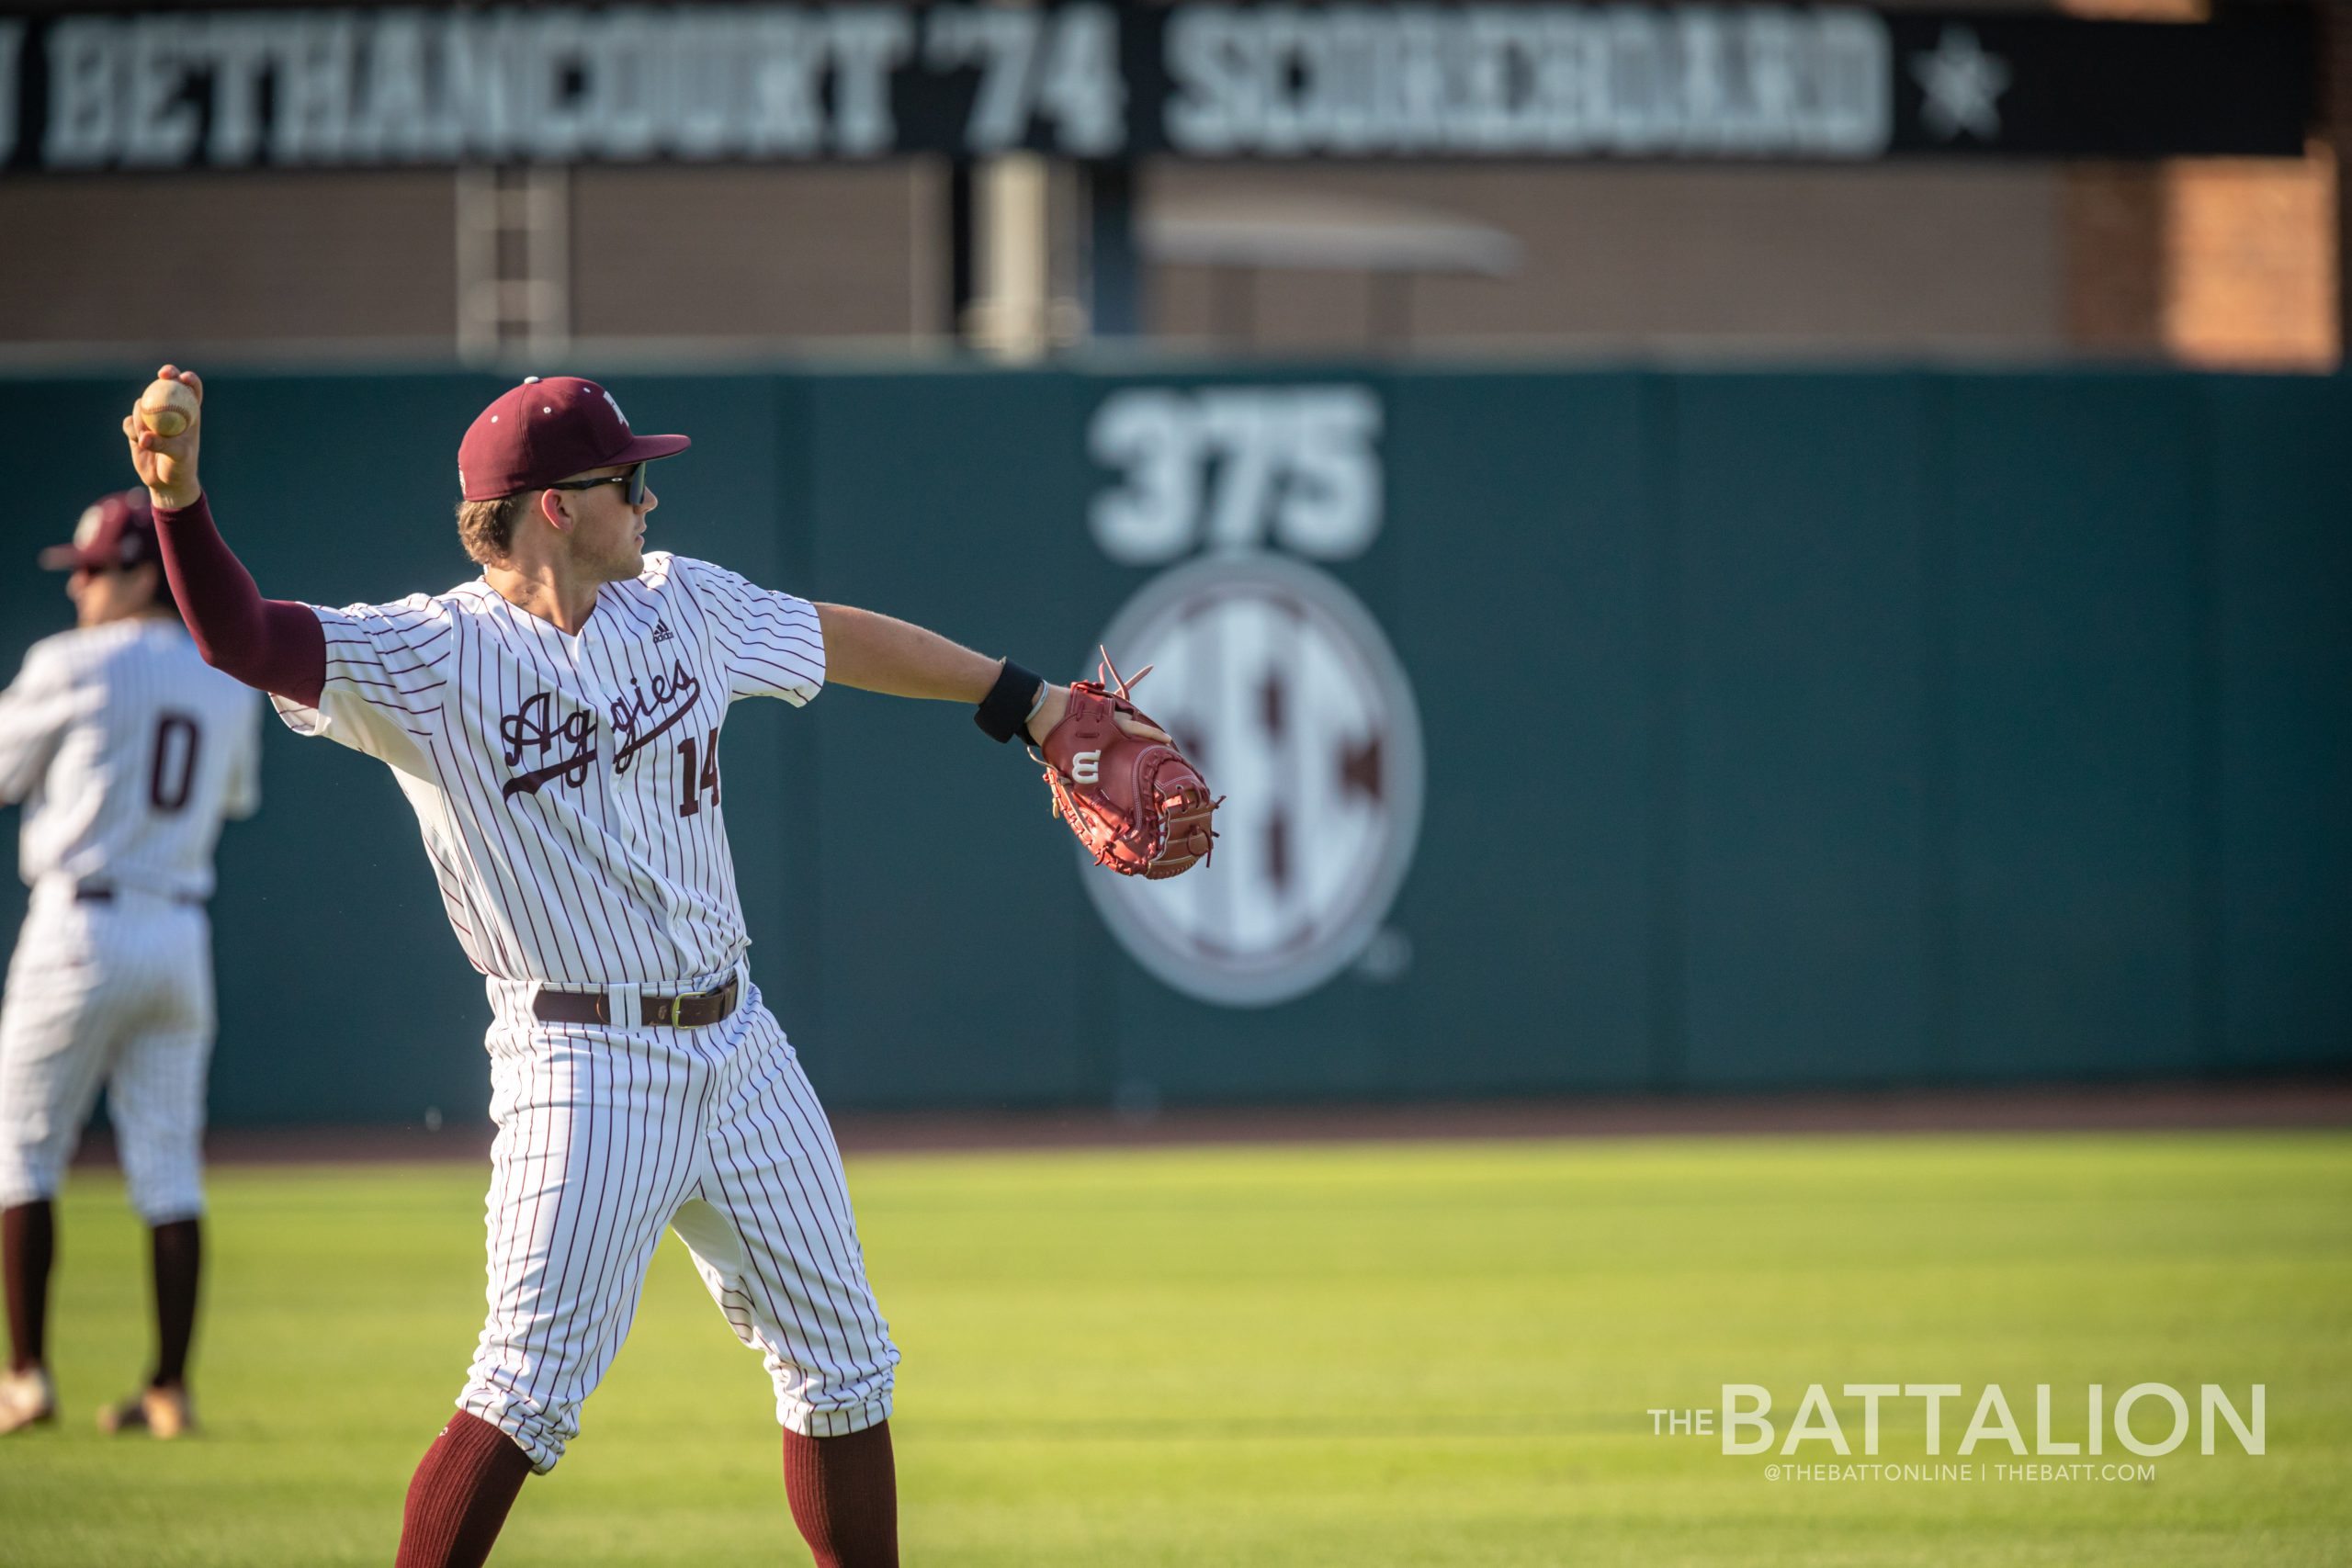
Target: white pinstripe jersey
(128, 750)
(568, 787)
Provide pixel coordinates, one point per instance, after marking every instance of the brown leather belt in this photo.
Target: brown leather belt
(696, 1009)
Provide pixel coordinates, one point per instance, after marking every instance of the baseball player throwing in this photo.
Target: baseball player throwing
(556, 725)
(127, 753)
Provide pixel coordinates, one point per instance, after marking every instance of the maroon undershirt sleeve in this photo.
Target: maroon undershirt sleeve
(274, 644)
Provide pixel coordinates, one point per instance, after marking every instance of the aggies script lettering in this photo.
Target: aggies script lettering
(530, 726)
(638, 720)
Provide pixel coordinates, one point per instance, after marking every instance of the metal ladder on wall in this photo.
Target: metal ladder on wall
(514, 262)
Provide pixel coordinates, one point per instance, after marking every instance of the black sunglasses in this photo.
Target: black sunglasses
(634, 479)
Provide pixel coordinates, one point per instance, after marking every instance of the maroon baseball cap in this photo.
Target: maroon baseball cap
(547, 430)
(118, 530)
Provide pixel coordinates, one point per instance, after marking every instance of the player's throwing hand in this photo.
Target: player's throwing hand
(166, 464)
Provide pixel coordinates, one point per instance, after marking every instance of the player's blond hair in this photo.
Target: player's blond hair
(487, 527)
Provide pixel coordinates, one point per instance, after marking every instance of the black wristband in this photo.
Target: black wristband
(1006, 710)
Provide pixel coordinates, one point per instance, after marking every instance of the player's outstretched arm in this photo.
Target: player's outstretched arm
(1136, 804)
(879, 653)
(273, 644)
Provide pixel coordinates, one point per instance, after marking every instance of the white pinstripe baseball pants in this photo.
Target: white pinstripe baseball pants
(119, 994)
(608, 1134)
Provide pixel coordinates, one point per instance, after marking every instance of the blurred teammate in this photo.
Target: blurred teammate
(128, 751)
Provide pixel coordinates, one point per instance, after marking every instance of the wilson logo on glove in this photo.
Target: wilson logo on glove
(1132, 799)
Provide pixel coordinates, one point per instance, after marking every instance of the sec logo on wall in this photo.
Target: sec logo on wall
(1275, 679)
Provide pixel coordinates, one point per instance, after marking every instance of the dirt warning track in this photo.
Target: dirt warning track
(2305, 1104)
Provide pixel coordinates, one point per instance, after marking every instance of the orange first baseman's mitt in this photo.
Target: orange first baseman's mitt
(1133, 801)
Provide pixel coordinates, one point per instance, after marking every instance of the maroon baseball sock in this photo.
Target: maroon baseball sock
(844, 1494)
(459, 1495)
(179, 1259)
(28, 1250)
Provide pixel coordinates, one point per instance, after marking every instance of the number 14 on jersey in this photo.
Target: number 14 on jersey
(698, 783)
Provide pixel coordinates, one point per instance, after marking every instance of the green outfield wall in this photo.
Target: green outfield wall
(1594, 731)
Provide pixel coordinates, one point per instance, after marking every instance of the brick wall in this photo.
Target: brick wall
(2248, 272)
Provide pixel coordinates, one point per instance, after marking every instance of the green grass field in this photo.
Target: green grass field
(1357, 1355)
